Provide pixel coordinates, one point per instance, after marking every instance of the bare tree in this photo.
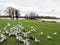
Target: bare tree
(31, 15)
(12, 12)
(17, 14)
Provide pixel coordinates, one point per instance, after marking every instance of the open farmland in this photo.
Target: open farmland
(47, 27)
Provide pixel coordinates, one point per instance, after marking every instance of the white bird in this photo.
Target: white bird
(49, 37)
(0, 31)
(14, 31)
(3, 37)
(25, 34)
(5, 28)
(3, 32)
(19, 38)
(29, 32)
(55, 33)
(6, 31)
(8, 24)
(26, 42)
(36, 40)
(42, 33)
(20, 26)
(33, 29)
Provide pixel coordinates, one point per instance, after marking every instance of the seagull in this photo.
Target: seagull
(55, 33)
(26, 42)
(29, 32)
(32, 29)
(6, 31)
(8, 24)
(19, 38)
(49, 37)
(0, 31)
(14, 31)
(5, 28)
(3, 37)
(25, 34)
(36, 40)
(42, 33)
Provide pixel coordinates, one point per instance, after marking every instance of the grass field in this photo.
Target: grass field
(47, 27)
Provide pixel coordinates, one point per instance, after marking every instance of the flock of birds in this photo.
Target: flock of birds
(18, 31)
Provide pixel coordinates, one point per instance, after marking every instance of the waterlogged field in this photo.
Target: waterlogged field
(47, 27)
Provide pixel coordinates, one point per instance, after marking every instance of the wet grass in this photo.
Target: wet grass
(46, 27)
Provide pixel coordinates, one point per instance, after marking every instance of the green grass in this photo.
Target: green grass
(46, 27)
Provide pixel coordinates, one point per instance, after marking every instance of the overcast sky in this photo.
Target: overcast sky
(42, 7)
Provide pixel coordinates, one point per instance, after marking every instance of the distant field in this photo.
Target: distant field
(46, 27)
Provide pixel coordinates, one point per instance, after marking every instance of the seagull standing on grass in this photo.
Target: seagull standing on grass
(25, 34)
(14, 31)
(7, 32)
(8, 24)
(2, 37)
(42, 33)
(55, 33)
(5, 28)
(28, 32)
(26, 42)
(49, 37)
(0, 31)
(33, 29)
(19, 38)
(36, 40)
(20, 26)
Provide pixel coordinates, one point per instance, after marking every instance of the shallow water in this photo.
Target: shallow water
(57, 20)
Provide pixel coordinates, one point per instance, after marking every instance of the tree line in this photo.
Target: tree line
(15, 13)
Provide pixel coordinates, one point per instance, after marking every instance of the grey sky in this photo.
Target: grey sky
(42, 7)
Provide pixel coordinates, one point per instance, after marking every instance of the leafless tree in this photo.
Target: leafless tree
(12, 12)
(31, 15)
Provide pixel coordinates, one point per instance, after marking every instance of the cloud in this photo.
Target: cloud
(38, 6)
